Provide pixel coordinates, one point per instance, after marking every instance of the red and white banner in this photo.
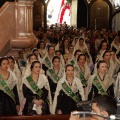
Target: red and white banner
(63, 8)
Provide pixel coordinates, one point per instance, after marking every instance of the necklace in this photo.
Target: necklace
(102, 79)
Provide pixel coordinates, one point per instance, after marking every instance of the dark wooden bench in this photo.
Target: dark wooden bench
(41, 117)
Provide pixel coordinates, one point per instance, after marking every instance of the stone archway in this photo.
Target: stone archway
(99, 15)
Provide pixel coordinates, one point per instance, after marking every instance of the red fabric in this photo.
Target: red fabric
(63, 12)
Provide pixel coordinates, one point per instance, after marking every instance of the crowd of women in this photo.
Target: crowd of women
(67, 66)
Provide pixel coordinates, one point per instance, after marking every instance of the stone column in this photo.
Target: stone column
(24, 25)
(73, 18)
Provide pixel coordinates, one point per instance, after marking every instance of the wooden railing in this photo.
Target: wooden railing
(41, 117)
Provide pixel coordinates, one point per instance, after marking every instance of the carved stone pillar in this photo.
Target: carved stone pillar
(74, 13)
(24, 25)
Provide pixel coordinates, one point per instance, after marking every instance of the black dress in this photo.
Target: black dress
(30, 96)
(95, 91)
(7, 104)
(66, 104)
(52, 87)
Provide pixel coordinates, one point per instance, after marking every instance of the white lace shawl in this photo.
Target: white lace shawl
(11, 81)
(117, 86)
(108, 80)
(60, 73)
(110, 70)
(77, 47)
(86, 73)
(76, 85)
(42, 82)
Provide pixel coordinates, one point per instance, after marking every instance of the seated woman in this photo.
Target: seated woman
(82, 69)
(36, 91)
(69, 91)
(103, 47)
(73, 61)
(9, 100)
(14, 68)
(47, 60)
(80, 45)
(54, 74)
(100, 82)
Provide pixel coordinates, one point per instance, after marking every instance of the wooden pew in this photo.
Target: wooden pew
(41, 117)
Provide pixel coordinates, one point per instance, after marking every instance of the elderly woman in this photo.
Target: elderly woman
(69, 91)
(36, 91)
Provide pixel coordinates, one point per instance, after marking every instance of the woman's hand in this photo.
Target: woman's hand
(59, 112)
(17, 108)
(38, 102)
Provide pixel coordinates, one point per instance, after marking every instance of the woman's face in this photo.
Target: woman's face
(36, 68)
(113, 55)
(42, 45)
(4, 65)
(77, 54)
(81, 42)
(71, 49)
(36, 52)
(107, 56)
(103, 68)
(56, 62)
(58, 54)
(82, 60)
(32, 58)
(11, 63)
(104, 46)
(70, 71)
(51, 51)
(66, 43)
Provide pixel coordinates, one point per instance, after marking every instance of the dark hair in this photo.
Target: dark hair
(107, 103)
(70, 46)
(76, 52)
(33, 63)
(49, 46)
(107, 51)
(80, 56)
(55, 57)
(99, 62)
(30, 55)
(3, 58)
(81, 39)
(68, 65)
(57, 51)
(35, 49)
(10, 57)
(100, 46)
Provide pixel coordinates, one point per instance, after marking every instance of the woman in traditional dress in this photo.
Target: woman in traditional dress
(31, 58)
(69, 91)
(80, 45)
(9, 100)
(36, 91)
(14, 68)
(103, 47)
(47, 60)
(115, 45)
(73, 61)
(82, 69)
(55, 73)
(69, 55)
(116, 64)
(35, 51)
(42, 49)
(100, 82)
